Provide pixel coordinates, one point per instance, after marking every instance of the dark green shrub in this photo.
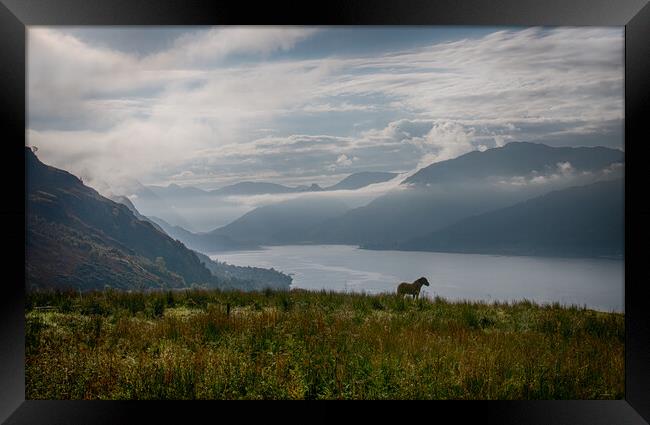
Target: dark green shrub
(285, 303)
(470, 318)
(157, 307)
(169, 298)
(376, 304)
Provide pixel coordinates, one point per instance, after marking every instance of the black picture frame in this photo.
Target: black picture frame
(15, 15)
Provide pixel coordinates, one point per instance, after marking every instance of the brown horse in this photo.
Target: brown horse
(405, 288)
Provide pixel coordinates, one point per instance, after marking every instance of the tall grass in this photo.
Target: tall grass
(315, 345)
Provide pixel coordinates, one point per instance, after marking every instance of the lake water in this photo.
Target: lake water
(598, 283)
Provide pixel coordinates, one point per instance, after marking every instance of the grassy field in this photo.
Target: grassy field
(315, 345)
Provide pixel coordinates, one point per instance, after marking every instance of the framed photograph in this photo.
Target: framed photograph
(354, 201)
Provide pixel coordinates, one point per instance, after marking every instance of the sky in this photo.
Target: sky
(210, 106)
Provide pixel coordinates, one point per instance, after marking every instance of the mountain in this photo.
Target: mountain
(248, 278)
(282, 223)
(513, 160)
(404, 214)
(252, 188)
(177, 192)
(198, 211)
(584, 221)
(363, 179)
(445, 192)
(203, 242)
(76, 238)
(127, 202)
(312, 188)
(149, 203)
(351, 182)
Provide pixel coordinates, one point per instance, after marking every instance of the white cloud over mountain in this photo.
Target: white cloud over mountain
(227, 104)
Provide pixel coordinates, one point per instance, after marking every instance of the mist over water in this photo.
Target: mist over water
(596, 283)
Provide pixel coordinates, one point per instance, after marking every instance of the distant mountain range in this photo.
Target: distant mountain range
(174, 191)
(284, 222)
(260, 188)
(351, 182)
(584, 221)
(199, 211)
(149, 202)
(177, 192)
(517, 159)
(478, 182)
(520, 199)
(78, 239)
(455, 205)
(361, 180)
(203, 242)
(434, 198)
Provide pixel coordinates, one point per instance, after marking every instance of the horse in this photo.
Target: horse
(406, 288)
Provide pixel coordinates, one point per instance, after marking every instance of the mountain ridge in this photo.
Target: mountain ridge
(583, 221)
(283, 222)
(76, 238)
(473, 183)
(515, 159)
(362, 179)
(96, 240)
(204, 242)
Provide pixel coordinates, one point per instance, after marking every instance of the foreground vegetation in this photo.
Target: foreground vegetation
(312, 345)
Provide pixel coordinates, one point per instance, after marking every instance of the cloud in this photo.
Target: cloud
(615, 169)
(199, 105)
(88, 114)
(345, 161)
(215, 44)
(433, 140)
(446, 140)
(354, 198)
(564, 175)
(184, 175)
(73, 85)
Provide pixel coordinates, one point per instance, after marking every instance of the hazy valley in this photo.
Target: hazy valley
(419, 211)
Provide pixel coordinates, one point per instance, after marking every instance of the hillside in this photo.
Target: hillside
(445, 192)
(578, 221)
(251, 188)
(127, 202)
(174, 192)
(78, 239)
(282, 223)
(246, 278)
(177, 192)
(362, 179)
(513, 160)
(203, 242)
(199, 211)
(156, 202)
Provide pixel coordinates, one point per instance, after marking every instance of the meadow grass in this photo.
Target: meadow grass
(199, 344)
